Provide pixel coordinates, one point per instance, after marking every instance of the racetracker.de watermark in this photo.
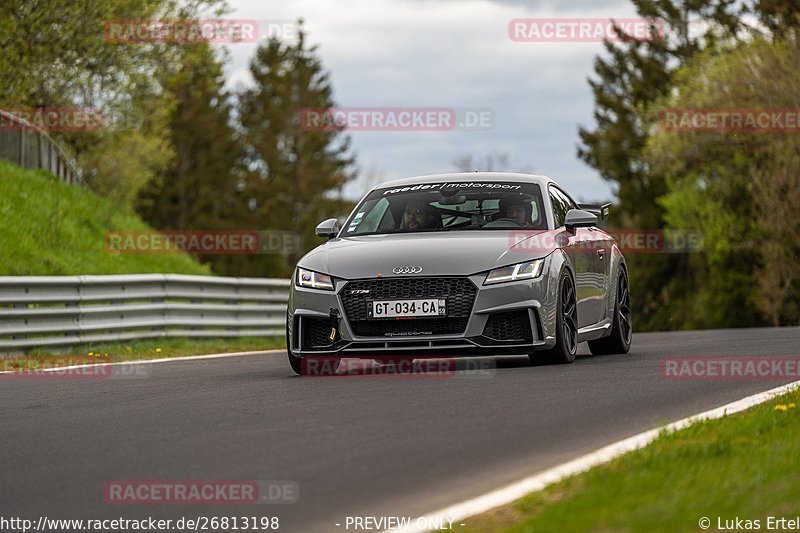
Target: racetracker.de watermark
(628, 241)
(70, 367)
(396, 119)
(731, 120)
(584, 30)
(736, 368)
(401, 367)
(51, 119)
(222, 31)
(212, 242)
(205, 492)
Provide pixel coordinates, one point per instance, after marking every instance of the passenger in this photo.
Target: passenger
(517, 209)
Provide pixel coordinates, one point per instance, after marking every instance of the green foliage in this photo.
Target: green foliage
(655, 187)
(56, 54)
(629, 79)
(740, 189)
(51, 228)
(123, 162)
(293, 174)
(779, 17)
(197, 189)
(54, 51)
(169, 146)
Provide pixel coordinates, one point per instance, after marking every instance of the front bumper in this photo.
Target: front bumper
(508, 318)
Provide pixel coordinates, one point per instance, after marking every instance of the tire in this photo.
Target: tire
(294, 362)
(566, 326)
(323, 365)
(619, 340)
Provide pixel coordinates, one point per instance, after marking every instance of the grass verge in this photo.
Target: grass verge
(50, 228)
(742, 466)
(137, 350)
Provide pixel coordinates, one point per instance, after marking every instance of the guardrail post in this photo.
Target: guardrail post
(22, 146)
(163, 300)
(198, 301)
(20, 306)
(78, 317)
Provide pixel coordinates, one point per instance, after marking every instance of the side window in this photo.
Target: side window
(561, 204)
(566, 199)
(387, 222)
(370, 216)
(559, 209)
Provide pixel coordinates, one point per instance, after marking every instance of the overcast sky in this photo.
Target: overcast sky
(454, 54)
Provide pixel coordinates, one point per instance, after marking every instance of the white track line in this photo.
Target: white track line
(509, 493)
(144, 361)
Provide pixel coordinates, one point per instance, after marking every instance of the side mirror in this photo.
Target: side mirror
(328, 229)
(578, 218)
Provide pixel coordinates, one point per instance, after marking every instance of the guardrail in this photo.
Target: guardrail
(67, 310)
(30, 147)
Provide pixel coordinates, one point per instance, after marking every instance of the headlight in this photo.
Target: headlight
(528, 270)
(313, 280)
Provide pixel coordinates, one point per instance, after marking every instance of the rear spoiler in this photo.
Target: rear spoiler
(600, 210)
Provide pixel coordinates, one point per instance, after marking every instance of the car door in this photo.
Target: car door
(603, 242)
(586, 251)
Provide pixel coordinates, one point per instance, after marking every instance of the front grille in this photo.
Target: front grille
(459, 293)
(316, 333)
(511, 326)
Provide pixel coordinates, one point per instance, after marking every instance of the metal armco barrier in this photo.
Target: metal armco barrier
(67, 310)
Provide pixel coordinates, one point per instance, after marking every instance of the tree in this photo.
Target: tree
(632, 76)
(295, 173)
(56, 54)
(635, 74)
(197, 191)
(779, 17)
(740, 188)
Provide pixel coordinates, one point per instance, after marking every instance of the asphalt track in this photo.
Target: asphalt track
(356, 445)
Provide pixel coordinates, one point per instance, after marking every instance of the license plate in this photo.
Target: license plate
(377, 309)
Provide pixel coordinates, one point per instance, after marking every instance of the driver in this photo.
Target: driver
(516, 209)
(417, 216)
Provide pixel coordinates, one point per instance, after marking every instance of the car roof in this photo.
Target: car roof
(468, 176)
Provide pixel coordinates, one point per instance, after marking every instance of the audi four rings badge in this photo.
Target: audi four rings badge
(407, 270)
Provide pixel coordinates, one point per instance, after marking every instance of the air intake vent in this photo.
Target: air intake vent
(511, 326)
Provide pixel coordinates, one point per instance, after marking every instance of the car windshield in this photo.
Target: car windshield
(468, 206)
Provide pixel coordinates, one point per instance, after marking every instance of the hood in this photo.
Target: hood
(439, 254)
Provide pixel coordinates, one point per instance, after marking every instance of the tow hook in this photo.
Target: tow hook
(334, 316)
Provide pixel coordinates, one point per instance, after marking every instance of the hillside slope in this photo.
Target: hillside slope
(49, 228)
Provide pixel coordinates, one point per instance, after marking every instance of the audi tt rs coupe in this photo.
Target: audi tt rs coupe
(458, 265)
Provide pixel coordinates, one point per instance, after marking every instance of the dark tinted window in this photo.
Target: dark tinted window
(561, 204)
(449, 206)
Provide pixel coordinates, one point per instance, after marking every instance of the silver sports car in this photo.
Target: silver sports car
(461, 264)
